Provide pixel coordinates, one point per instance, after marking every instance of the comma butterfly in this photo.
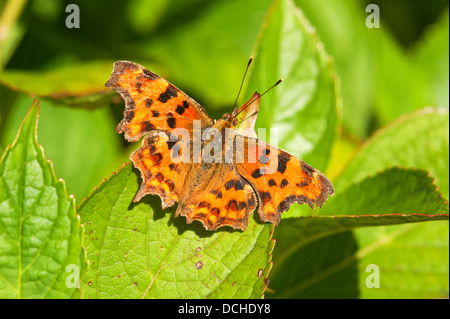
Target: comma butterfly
(225, 173)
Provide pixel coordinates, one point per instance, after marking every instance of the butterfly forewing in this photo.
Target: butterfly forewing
(152, 103)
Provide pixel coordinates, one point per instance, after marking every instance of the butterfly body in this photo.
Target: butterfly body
(217, 171)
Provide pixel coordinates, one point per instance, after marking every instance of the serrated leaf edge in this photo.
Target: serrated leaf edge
(59, 182)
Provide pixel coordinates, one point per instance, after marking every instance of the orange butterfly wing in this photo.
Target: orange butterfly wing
(152, 103)
(279, 179)
(160, 175)
(217, 197)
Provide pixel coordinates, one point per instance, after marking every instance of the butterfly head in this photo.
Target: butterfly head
(225, 122)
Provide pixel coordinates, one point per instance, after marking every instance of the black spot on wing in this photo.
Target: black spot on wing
(170, 144)
(146, 126)
(265, 197)
(215, 211)
(171, 122)
(284, 183)
(234, 183)
(282, 161)
(169, 93)
(257, 173)
(238, 185)
(179, 109)
(217, 193)
(157, 158)
(138, 87)
(159, 177)
(303, 184)
(204, 205)
(229, 184)
(148, 103)
(232, 205)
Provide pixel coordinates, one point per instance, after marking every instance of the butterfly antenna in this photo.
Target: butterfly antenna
(242, 82)
(278, 82)
(250, 102)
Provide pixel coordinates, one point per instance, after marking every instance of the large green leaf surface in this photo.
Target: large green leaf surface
(40, 237)
(418, 140)
(340, 26)
(393, 191)
(431, 56)
(409, 81)
(136, 250)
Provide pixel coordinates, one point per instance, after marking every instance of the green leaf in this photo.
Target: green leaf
(340, 26)
(409, 81)
(303, 107)
(431, 57)
(81, 84)
(419, 140)
(394, 191)
(39, 234)
(399, 85)
(136, 250)
(413, 260)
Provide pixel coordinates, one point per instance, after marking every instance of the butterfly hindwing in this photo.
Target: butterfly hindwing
(160, 175)
(152, 102)
(217, 196)
(280, 179)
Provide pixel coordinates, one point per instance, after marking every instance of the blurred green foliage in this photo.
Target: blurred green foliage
(374, 116)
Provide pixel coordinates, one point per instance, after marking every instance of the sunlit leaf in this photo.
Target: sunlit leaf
(40, 236)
